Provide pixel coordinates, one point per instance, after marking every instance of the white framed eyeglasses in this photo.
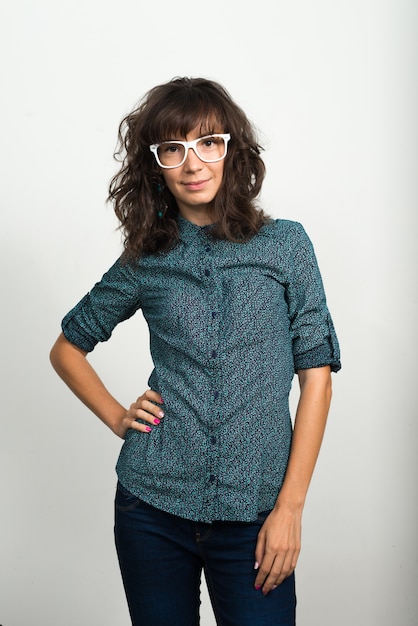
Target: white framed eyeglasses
(210, 148)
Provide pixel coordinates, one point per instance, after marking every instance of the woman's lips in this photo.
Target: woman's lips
(196, 185)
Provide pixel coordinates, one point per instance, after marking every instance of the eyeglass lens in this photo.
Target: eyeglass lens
(207, 149)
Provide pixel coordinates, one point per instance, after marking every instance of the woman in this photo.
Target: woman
(210, 473)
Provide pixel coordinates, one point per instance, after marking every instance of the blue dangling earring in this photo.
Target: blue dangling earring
(162, 202)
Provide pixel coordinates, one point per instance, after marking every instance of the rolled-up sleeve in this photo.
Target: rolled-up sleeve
(112, 300)
(315, 343)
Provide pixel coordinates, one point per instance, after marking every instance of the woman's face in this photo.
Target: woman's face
(195, 183)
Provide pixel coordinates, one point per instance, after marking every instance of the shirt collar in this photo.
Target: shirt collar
(190, 232)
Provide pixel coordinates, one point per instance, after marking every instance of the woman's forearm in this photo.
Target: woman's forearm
(71, 365)
(310, 421)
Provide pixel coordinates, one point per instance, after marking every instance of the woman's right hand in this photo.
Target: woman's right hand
(144, 409)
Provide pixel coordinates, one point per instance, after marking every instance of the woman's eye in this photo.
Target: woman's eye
(211, 142)
(170, 149)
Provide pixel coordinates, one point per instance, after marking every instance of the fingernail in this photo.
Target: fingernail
(148, 429)
(256, 565)
(156, 420)
(274, 587)
(257, 587)
(161, 400)
(161, 413)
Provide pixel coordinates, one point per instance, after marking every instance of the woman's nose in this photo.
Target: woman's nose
(192, 161)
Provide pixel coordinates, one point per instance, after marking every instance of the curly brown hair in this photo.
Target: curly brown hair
(137, 190)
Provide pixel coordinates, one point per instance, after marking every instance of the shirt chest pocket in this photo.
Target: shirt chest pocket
(256, 303)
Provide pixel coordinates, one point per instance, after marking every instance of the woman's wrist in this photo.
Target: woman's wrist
(294, 501)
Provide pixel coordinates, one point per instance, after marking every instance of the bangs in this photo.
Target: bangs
(177, 119)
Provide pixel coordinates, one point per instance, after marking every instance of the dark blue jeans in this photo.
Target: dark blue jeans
(161, 557)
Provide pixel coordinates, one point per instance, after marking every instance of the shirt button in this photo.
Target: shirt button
(216, 395)
(207, 272)
(214, 354)
(213, 440)
(212, 478)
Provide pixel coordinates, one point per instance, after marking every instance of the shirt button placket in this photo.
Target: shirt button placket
(213, 354)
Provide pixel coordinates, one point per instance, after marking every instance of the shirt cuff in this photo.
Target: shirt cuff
(318, 357)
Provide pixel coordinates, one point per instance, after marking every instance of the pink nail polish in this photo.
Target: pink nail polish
(148, 429)
(257, 587)
(156, 420)
(161, 400)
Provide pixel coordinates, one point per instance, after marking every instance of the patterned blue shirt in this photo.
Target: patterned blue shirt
(229, 325)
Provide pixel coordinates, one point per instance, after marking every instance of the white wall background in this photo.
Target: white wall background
(332, 87)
